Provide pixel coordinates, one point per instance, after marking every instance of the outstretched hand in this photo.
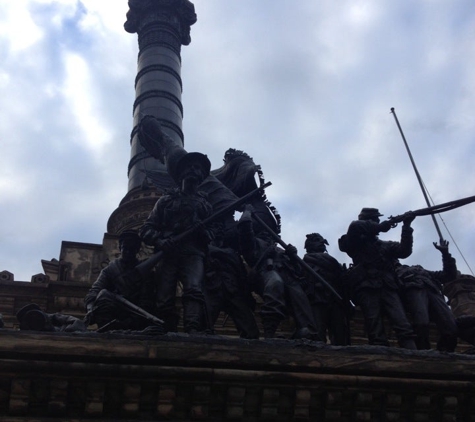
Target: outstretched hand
(443, 246)
(408, 218)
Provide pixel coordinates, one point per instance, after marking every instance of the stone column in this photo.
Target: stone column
(162, 26)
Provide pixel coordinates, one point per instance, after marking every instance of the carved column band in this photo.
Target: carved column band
(162, 26)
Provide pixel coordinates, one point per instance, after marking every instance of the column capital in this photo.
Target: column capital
(182, 12)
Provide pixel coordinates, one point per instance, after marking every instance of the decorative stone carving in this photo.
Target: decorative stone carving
(179, 13)
(40, 278)
(6, 276)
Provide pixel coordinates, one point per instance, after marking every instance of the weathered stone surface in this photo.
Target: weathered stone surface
(40, 278)
(6, 276)
(118, 377)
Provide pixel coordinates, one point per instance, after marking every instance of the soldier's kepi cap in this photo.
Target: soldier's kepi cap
(316, 237)
(130, 235)
(369, 213)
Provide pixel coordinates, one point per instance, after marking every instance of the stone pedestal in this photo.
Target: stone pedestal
(176, 377)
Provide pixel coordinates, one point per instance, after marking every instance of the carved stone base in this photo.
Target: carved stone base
(133, 210)
(177, 377)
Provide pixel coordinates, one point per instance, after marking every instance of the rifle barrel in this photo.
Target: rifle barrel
(137, 309)
(436, 209)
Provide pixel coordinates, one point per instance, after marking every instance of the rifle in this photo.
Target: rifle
(146, 266)
(435, 209)
(137, 310)
(300, 261)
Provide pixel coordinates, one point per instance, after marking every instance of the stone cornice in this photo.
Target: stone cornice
(297, 356)
(113, 376)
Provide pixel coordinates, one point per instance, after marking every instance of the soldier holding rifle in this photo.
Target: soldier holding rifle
(121, 279)
(329, 314)
(181, 209)
(275, 277)
(227, 288)
(181, 226)
(375, 286)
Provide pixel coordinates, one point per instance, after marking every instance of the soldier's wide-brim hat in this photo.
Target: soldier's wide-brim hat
(27, 308)
(179, 159)
(35, 320)
(368, 213)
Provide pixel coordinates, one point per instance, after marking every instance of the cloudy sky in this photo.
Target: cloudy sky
(305, 87)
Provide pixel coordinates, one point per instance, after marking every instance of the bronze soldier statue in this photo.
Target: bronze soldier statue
(374, 284)
(120, 278)
(329, 315)
(460, 292)
(177, 211)
(426, 303)
(32, 318)
(227, 288)
(276, 279)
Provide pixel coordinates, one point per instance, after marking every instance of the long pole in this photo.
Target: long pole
(419, 179)
(278, 239)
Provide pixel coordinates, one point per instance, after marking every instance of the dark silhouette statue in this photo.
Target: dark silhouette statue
(425, 302)
(460, 292)
(222, 188)
(276, 279)
(175, 212)
(227, 288)
(120, 279)
(374, 283)
(330, 316)
(237, 177)
(32, 318)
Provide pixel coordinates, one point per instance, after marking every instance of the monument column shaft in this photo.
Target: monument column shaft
(162, 27)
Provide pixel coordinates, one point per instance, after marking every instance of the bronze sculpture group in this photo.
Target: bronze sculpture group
(222, 266)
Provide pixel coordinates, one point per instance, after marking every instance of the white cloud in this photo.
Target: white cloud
(17, 27)
(79, 93)
(304, 87)
(13, 186)
(4, 79)
(109, 15)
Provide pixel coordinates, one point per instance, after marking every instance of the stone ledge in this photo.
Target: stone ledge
(90, 376)
(220, 351)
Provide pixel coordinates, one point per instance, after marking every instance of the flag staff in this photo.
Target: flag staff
(419, 178)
